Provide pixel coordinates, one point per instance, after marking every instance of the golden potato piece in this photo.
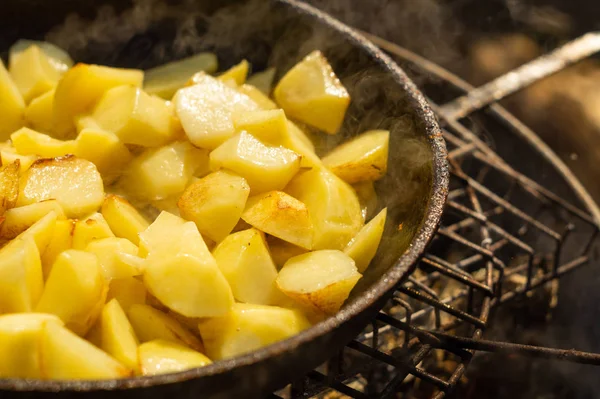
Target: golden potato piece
(41, 232)
(90, 229)
(135, 117)
(61, 240)
(363, 247)
(21, 278)
(128, 291)
(244, 259)
(206, 110)
(164, 80)
(9, 156)
(17, 220)
(9, 185)
(257, 96)
(13, 105)
(163, 233)
(80, 89)
(215, 203)
(118, 337)
(281, 250)
(59, 58)
(264, 168)
(33, 72)
(20, 335)
(320, 279)
(270, 127)
(160, 173)
(74, 182)
(30, 142)
(113, 256)
(75, 290)
(247, 328)
(333, 206)
(162, 357)
(185, 276)
(124, 220)
(311, 93)
(65, 356)
(367, 197)
(39, 112)
(105, 150)
(238, 73)
(362, 159)
(282, 216)
(150, 324)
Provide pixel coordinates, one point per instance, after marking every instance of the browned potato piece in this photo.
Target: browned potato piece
(320, 279)
(75, 183)
(9, 185)
(362, 159)
(282, 216)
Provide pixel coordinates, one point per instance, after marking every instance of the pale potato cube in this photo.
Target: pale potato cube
(162, 357)
(280, 215)
(33, 73)
(163, 233)
(164, 80)
(118, 337)
(105, 150)
(185, 276)
(86, 121)
(150, 324)
(270, 127)
(244, 259)
(281, 250)
(367, 197)
(61, 240)
(135, 117)
(362, 159)
(9, 156)
(302, 144)
(206, 110)
(17, 220)
(333, 206)
(112, 253)
(75, 290)
(39, 112)
(238, 73)
(12, 103)
(162, 172)
(263, 81)
(257, 96)
(80, 89)
(215, 203)
(124, 220)
(21, 278)
(90, 229)
(74, 182)
(30, 142)
(42, 231)
(20, 336)
(128, 291)
(312, 93)
(9, 185)
(65, 356)
(320, 279)
(363, 247)
(59, 58)
(264, 168)
(247, 328)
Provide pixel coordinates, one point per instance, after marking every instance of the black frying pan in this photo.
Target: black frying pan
(267, 33)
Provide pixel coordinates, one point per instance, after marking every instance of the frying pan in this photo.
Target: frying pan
(268, 33)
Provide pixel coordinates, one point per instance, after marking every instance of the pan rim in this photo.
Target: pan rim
(400, 270)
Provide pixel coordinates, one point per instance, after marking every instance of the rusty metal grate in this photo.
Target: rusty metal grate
(503, 236)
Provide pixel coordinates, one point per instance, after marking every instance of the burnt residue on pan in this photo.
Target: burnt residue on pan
(275, 33)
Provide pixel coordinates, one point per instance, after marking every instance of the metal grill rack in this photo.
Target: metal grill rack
(503, 237)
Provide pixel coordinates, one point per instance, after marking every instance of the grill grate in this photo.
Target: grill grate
(503, 237)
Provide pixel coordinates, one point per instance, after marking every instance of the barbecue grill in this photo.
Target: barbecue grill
(507, 234)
